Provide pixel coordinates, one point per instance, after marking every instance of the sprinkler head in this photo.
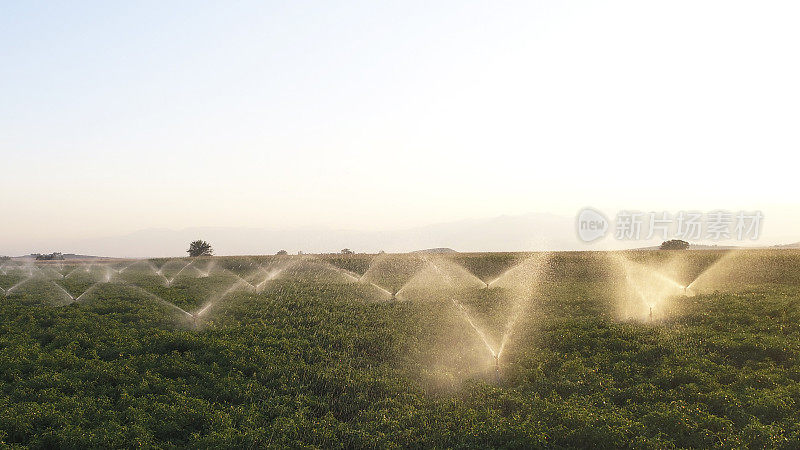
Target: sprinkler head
(651, 313)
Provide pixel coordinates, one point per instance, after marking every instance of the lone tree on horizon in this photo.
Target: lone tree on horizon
(674, 244)
(49, 257)
(200, 248)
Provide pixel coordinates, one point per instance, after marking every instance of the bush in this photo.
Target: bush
(674, 244)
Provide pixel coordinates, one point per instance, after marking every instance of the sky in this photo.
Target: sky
(124, 116)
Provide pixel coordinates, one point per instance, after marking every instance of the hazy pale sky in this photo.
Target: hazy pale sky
(121, 116)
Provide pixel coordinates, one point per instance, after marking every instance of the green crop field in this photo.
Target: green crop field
(649, 349)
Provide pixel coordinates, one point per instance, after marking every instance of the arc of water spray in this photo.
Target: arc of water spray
(162, 301)
(463, 310)
(74, 269)
(360, 279)
(91, 289)
(383, 290)
(214, 301)
(508, 271)
(668, 280)
(517, 312)
(509, 328)
(8, 291)
(158, 272)
(354, 277)
(393, 295)
(240, 279)
(523, 298)
(371, 266)
(728, 255)
(259, 269)
(635, 286)
(127, 267)
(108, 271)
(273, 274)
(147, 293)
(208, 269)
(179, 272)
(477, 330)
(350, 275)
(71, 298)
(426, 262)
(651, 300)
(347, 274)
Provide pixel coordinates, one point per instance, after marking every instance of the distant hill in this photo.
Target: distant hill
(795, 245)
(67, 257)
(436, 250)
(714, 247)
(726, 247)
(528, 232)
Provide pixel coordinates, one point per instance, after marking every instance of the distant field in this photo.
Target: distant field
(648, 349)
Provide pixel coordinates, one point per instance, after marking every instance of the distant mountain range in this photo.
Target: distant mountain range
(504, 233)
(529, 232)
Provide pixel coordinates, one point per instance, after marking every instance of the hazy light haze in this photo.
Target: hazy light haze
(117, 117)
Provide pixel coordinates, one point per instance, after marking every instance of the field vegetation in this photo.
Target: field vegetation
(650, 349)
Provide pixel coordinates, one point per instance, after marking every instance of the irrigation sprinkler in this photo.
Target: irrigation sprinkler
(651, 313)
(497, 368)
